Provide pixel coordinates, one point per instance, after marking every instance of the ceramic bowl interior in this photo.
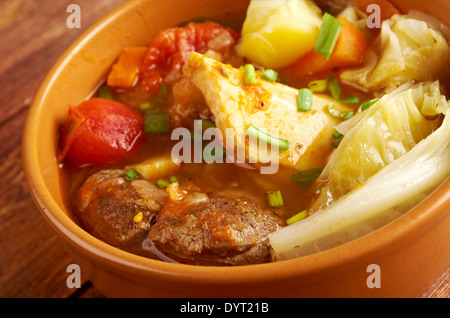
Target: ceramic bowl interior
(399, 249)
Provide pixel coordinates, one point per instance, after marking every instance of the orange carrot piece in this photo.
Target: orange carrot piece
(125, 71)
(349, 51)
(387, 9)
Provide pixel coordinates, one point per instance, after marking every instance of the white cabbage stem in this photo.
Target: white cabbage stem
(419, 171)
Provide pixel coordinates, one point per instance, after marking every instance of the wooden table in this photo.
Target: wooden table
(33, 260)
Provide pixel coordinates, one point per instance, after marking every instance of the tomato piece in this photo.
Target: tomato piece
(100, 131)
(169, 50)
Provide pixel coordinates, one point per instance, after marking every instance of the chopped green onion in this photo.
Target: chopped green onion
(352, 100)
(162, 183)
(337, 113)
(269, 74)
(212, 156)
(338, 138)
(368, 104)
(334, 87)
(307, 176)
(337, 134)
(131, 174)
(105, 92)
(195, 135)
(265, 136)
(157, 123)
(145, 106)
(249, 74)
(297, 217)
(333, 110)
(336, 143)
(163, 91)
(318, 86)
(173, 179)
(304, 100)
(162, 94)
(275, 199)
(207, 124)
(328, 35)
(347, 115)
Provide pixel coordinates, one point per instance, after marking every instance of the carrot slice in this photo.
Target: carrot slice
(125, 71)
(349, 51)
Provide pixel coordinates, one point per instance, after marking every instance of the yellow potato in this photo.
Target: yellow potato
(277, 32)
(156, 167)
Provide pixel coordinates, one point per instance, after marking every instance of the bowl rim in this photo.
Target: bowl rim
(377, 241)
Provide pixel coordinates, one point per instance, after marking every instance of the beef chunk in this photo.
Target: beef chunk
(116, 210)
(196, 228)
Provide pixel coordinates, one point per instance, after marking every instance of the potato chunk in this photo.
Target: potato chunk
(275, 33)
(157, 167)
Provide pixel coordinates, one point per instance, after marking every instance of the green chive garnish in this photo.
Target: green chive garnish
(105, 93)
(173, 179)
(337, 134)
(318, 86)
(157, 123)
(212, 156)
(275, 199)
(162, 183)
(352, 100)
(334, 87)
(304, 100)
(337, 113)
(336, 143)
(265, 136)
(306, 176)
(163, 91)
(207, 124)
(338, 138)
(297, 217)
(347, 115)
(196, 135)
(328, 35)
(269, 74)
(333, 110)
(249, 74)
(131, 174)
(368, 104)
(145, 106)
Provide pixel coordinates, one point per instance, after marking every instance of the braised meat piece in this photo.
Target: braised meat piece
(196, 228)
(117, 210)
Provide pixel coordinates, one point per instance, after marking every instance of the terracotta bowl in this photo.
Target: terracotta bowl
(411, 252)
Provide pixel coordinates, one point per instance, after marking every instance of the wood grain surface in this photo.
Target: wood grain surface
(33, 261)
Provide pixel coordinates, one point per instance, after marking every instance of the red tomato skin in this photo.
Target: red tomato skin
(171, 47)
(109, 132)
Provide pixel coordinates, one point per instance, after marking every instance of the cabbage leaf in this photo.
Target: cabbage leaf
(407, 49)
(376, 137)
(385, 196)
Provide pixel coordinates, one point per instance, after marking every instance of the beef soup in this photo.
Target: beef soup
(166, 159)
